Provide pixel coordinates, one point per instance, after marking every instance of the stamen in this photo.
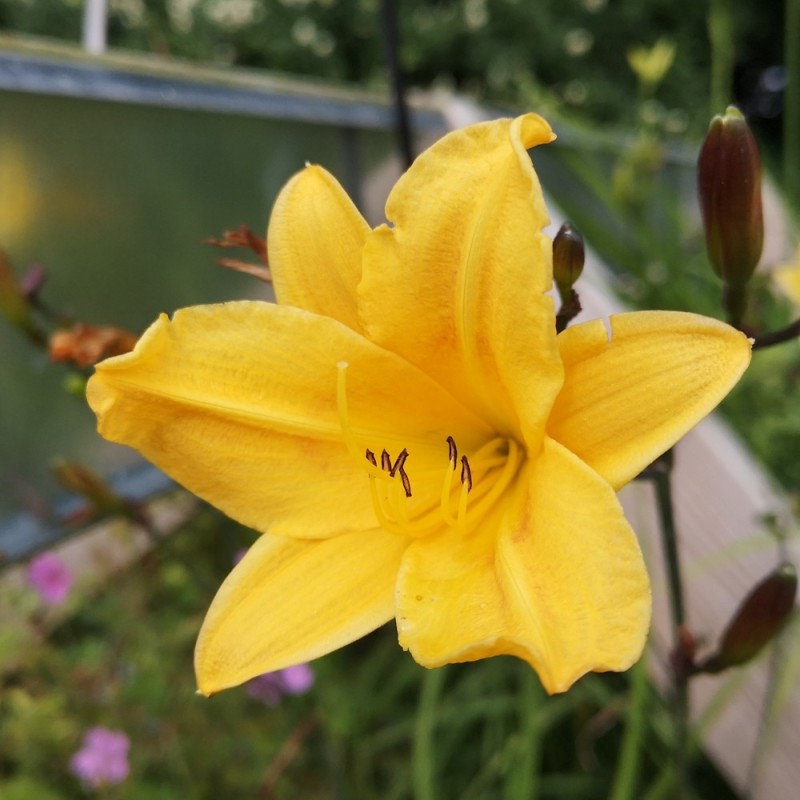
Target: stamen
(461, 521)
(447, 483)
(485, 475)
(453, 450)
(466, 473)
(406, 481)
(399, 462)
(377, 505)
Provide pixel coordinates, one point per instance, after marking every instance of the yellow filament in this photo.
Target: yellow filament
(344, 419)
(503, 481)
(461, 522)
(447, 484)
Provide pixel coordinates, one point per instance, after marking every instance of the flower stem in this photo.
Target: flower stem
(680, 708)
(720, 33)
(777, 337)
(663, 486)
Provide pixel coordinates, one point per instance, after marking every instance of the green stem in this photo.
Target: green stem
(423, 762)
(777, 337)
(720, 34)
(663, 487)
(791, 108)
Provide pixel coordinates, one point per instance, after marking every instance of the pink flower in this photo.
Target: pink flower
(103, 758)
(51, 578)
(272, 686)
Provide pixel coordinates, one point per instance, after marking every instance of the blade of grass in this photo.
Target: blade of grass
(626, 776)
(423, 759)
(522, 782)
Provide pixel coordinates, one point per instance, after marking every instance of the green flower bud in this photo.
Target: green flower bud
(729, 188)
(758, 620)
(568, 257)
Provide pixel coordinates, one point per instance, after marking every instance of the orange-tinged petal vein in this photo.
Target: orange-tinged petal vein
(290, 601)
(238, 402)
(555, 578)
(457, 285)
(628, 399)
(315, 238)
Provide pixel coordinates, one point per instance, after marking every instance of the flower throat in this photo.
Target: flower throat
(483, 477)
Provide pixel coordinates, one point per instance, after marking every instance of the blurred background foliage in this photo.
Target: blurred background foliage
(566, 53)
(375, 725)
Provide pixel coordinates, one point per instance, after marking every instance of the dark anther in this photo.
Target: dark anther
(371, 458)
(386, 461)
(405, 479)
(399, 462)
(453, 451)
(466, 473)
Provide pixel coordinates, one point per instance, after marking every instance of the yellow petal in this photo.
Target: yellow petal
(557, 579)
(238, 402)
(627, 400)
(315, 239)
(289, 601)
(456, 286)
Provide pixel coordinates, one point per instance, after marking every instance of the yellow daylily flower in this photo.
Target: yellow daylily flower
(410, 435)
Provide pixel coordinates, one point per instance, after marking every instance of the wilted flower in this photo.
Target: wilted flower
(411, 436)
(272, 686)
(103, 758)
(85, 345)
(51, 578)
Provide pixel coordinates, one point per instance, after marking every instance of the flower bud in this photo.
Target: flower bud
(758, 620)
(568, 257)
(729, 188)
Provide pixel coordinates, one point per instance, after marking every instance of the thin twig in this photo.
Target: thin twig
(287, 753)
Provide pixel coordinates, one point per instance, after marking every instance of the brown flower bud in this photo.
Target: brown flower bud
(568, 257)
(729, 188)
(757, 621)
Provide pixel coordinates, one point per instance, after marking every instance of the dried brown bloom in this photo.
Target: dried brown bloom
(85, 345)
(245, 238)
